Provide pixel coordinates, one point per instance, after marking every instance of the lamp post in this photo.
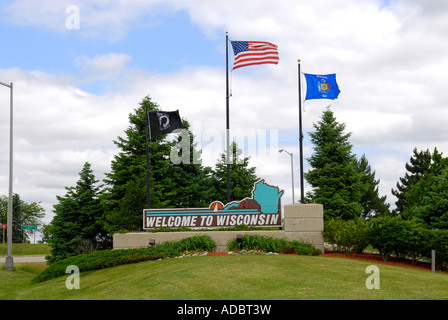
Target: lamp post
(292, 172)
(9, 262)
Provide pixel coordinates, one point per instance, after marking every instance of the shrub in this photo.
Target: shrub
(383, 234)
(348, 236)
(304, 248)
(104, 259)
(414, 241)
(199, 242)
(390, 235)
(404, 238)
(439, 243)
(109, 258)
(395, 235)
(332, 232)
(257, 242)
(354, 236)
(273, 244)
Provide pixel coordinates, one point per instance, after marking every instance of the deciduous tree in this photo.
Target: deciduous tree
(24, 213)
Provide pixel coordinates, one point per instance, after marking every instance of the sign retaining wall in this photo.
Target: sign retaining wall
(301, 222)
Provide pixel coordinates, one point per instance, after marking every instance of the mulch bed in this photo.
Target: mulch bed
(376, 258)
(370, 257)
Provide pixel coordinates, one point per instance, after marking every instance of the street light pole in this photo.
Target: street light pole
(9, 262)
(292, 171)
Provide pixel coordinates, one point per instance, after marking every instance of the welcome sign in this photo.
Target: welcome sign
(263, 209)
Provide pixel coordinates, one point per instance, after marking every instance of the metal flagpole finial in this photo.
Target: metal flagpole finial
(298, 60)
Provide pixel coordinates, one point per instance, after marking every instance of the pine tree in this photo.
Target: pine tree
(78, 218)
(192, 183)
(418, 165)
(336, 182)
(125, 198)
(242, 177)
(177, 179)
(373, 205)
(427, 199)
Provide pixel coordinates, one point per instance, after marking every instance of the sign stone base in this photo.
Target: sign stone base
(301, 222)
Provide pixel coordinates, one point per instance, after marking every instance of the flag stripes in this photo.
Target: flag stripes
(249, 53)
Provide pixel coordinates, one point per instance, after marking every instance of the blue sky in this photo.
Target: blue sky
(155, 48)
(75, 88)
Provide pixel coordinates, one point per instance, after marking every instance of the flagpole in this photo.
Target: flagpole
(227, 117)
(9, 261)
(302, 198)
(148, 196)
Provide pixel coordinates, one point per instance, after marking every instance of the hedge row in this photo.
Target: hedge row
(109, 258)
(389, 235)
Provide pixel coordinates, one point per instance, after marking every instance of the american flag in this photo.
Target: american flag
(248, 53)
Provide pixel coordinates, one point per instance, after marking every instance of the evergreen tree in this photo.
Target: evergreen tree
(418, 165)
(427, 199)
(242, 177)
(125, 198)
(191, 182)
(177, 179)
(373, 205)
(336, 182)
(78, 218)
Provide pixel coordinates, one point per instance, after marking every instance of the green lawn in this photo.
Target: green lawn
(237, 277)
(20, 249)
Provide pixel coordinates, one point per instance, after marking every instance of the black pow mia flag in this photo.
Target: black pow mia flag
(163, 122)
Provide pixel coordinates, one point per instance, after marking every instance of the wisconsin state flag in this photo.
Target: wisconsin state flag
(321, 86)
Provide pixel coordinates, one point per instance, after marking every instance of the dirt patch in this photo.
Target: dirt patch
(376, 258)
(217, 253)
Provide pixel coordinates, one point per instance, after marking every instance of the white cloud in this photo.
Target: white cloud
(102, 67)
(98, 18)
(390, 63)
(57, 128)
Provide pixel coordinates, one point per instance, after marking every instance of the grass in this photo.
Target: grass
(24, 249)
(239, 277)
(13, 283)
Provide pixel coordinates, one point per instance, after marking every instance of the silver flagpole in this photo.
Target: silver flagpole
(9, 262)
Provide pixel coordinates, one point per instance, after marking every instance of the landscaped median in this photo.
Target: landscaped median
(195, 245)
(242, 276)
(245, 274)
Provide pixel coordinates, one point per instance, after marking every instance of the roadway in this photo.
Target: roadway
(33, 258)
